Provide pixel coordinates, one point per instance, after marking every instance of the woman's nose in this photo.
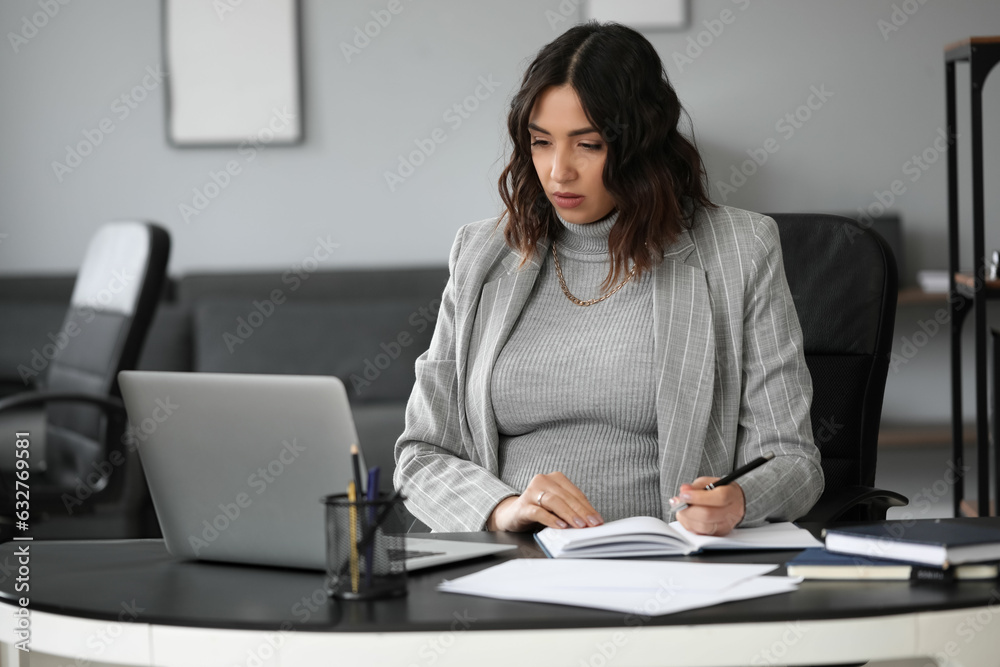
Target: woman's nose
(562, 166)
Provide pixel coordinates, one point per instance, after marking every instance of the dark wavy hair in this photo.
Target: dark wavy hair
(651, 169)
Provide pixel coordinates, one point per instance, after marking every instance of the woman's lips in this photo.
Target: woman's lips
(568, 202)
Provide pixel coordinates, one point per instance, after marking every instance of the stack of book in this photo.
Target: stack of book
(933, 550)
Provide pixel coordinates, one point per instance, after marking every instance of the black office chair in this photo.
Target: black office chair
(844, 283)
(80, 459)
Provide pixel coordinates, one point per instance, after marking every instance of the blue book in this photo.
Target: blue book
(936, 542)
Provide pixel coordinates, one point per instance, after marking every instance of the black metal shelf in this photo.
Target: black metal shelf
(982, 54)
(965, 287)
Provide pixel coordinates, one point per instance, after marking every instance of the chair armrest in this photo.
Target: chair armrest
(832, 506)
(109, 405)
(35, 398)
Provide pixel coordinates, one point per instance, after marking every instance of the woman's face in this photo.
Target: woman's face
(569, 155)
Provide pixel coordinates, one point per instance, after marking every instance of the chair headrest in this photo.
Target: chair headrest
(112, 272)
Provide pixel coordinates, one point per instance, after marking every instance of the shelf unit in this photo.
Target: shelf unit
(982, 54)
(909, 296)
(928, 435)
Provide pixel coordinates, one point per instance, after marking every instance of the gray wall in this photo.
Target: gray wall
(887, 105)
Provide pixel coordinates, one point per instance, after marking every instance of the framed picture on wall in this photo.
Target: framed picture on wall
(233, 72)
(640, 14)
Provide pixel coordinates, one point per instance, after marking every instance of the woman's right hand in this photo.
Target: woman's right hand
(551, 500)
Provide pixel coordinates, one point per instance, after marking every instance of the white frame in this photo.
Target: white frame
(233, 71)
(641, 14)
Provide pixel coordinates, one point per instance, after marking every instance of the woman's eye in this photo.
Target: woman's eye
(589, 147)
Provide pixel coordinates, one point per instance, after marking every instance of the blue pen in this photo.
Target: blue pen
(371, 496)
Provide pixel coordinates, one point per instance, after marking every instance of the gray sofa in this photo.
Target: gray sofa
(366, 327)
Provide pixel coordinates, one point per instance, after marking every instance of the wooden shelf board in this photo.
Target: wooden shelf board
(915, 295)
(972, 41)
(964, 50)
(922, 436)
(971, 508)
(966, 280)
(965, 285)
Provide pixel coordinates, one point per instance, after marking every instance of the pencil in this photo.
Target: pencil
(369, 534)
(353, 512)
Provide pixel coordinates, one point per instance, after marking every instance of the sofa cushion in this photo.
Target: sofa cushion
(379, 426)
(419, 285)
(28, 341)
(168, 345)
(370, 346)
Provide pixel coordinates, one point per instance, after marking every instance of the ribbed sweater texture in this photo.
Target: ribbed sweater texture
(573, 387)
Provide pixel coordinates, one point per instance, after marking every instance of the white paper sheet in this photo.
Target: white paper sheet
(644, 587)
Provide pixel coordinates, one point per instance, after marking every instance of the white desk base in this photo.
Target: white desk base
(960, 638)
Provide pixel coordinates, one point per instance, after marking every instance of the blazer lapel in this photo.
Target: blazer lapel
(684, 353)
(499, 307)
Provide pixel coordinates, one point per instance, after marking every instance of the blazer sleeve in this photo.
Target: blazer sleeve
(776, 394)
(442, 487)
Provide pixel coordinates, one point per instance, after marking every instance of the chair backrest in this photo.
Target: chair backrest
(844, 283)
(112, 305)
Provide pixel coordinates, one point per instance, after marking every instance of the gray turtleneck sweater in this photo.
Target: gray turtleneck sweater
(573, 388)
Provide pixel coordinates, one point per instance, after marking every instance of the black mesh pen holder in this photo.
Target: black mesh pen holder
(365, 547)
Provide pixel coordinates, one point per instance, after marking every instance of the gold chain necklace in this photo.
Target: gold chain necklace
(580, 302)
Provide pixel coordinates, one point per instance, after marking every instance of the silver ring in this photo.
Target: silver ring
(540, 496)
(715, 527)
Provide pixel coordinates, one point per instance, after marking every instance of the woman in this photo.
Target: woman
(614, 341)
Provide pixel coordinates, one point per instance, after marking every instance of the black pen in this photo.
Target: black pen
(734, 475)
(356, 464)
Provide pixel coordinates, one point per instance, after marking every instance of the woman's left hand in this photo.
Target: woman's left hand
(714, 512)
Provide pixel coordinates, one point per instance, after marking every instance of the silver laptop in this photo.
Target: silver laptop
(237, 465)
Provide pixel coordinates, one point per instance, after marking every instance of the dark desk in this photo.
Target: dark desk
(129, 602)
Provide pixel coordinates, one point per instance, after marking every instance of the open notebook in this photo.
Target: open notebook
(649, 536)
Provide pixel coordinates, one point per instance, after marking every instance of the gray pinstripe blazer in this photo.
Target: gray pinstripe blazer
(733, 379)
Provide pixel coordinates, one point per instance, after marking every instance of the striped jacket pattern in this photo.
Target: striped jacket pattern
(732, 381)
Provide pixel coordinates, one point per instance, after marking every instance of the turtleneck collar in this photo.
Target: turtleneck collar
(589, 238)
